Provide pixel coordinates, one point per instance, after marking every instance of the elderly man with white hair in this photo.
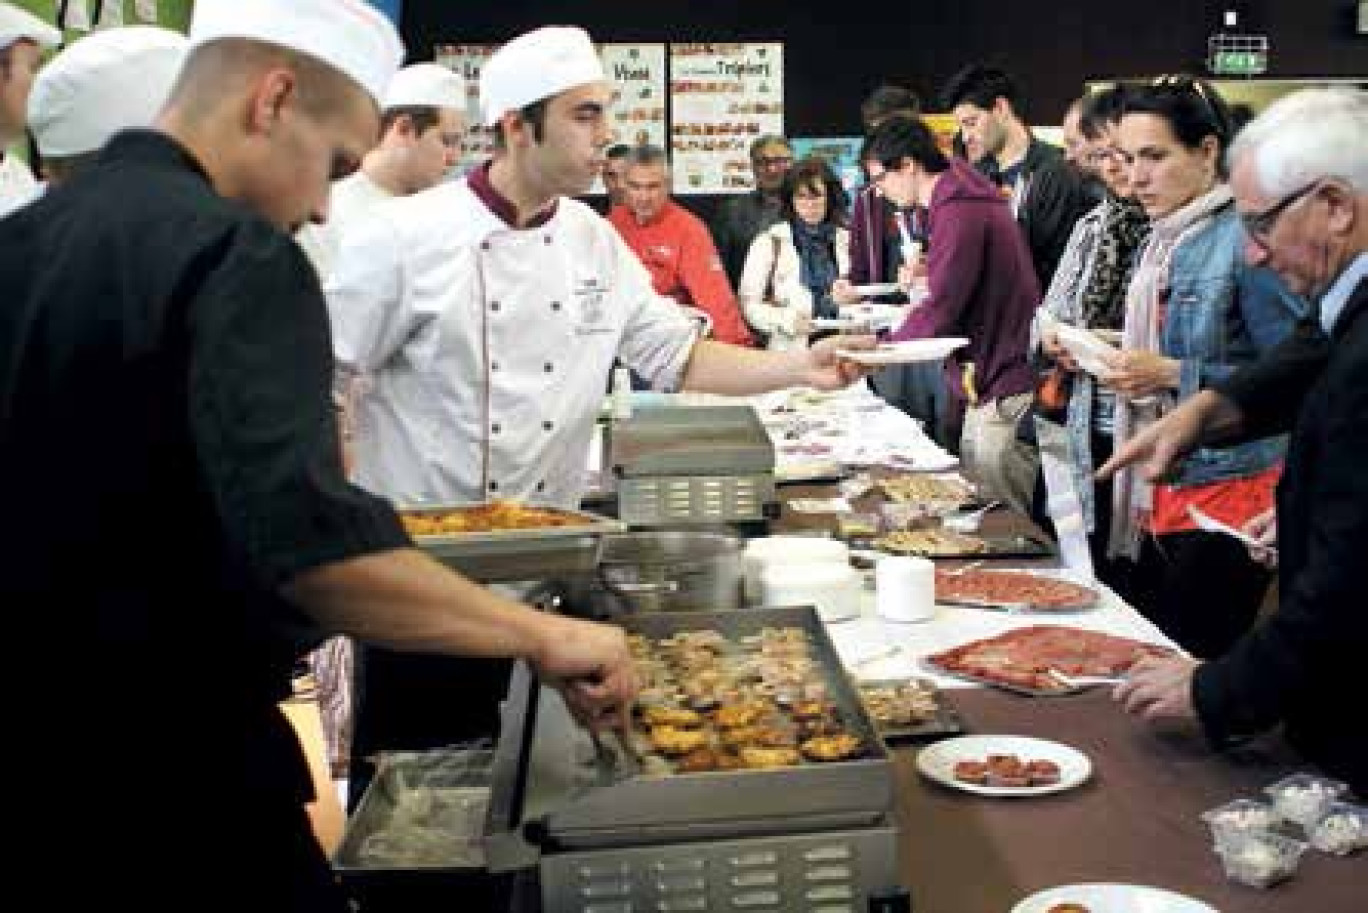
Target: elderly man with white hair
(115, 79)
(23, 37)
(1300, 177)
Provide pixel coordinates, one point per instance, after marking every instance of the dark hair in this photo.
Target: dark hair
(1240, 114)
(1192, 108)
(647, 154)
(1101, 110)
(980, 86)
(815, 170)
(885, 101)
(617, 151)
(421, 116)
(901, 138)
(534, 114)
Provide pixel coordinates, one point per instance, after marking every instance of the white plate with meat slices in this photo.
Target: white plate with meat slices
(1110, 898)
(980, 764)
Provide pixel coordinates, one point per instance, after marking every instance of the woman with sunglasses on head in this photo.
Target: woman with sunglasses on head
(1195, 312)
(792, 265)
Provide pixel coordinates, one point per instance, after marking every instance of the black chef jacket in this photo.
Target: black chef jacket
(168, 458)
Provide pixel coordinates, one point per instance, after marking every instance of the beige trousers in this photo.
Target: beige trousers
(1003, 467)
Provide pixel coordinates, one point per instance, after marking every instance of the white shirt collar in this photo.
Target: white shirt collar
(1333, 302)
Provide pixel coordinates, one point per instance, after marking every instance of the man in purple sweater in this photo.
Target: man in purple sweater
(982, 286)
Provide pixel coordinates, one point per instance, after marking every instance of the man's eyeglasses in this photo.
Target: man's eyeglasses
(1259, 225)
(1098, 156)
(774, 161)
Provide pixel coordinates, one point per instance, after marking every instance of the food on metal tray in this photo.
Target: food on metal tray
(1069, 907)
(678, 717)
(902, 704)
(931, 541)
(730, 716)
(835, 747)
(671, 741)
(698, 761)
(758, 736)
(1006, 770)
(811, 709)
(1023, 658)
(484, 518)
(768, 758)
(914, 488)
(1014, 588)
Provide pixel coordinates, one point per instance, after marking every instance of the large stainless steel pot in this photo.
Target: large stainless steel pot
(670, 572)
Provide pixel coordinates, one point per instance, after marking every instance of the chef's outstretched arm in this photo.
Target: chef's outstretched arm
(715, 367)
(403, 600)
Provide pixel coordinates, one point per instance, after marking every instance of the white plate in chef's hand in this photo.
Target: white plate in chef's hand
(874, 316)
(903, 353)
(937, 762)
(1113, 898)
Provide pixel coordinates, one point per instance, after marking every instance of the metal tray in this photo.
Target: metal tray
(376, 812)
(541, 796)
(520, 554)
(945, 722)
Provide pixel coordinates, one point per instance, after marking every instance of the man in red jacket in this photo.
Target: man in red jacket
(675, 246)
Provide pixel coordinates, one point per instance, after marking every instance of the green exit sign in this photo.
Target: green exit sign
(1239, 63)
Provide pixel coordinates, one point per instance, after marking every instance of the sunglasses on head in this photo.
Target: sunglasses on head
(1182, 83)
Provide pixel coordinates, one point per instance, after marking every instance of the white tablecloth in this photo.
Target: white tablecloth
(859, 639)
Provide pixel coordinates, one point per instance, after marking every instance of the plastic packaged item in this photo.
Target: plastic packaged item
(1341, 831)
(1239, 817)
(1261, 859)
(1303, 798)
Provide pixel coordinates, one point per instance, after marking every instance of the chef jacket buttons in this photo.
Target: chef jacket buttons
(548, 367)
(546, 239)
(541, 486)
(494, 366)
(547, 426)
(494, 306)
(493, 486)
(484, 245)
(555, 305)
(496, 428)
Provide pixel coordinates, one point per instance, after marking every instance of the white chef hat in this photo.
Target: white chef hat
(426, 85)
(114, 79)
(537, 65)
(350, 35)
(17, 24)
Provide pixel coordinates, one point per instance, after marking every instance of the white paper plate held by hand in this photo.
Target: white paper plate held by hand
(903, 353)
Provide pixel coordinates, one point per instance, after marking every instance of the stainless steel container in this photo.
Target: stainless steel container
(670, 572)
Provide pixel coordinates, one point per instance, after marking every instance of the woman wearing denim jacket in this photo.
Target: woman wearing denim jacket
(1195, 312)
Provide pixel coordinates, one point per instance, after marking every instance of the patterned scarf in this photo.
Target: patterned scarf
(816, 246)
(1149, 286)
(1124, 228)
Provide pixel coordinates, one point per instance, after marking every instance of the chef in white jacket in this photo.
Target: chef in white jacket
(422, 121)
(484, 317)
(23, 37)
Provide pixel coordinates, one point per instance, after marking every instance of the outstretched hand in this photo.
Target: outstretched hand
(826, 369)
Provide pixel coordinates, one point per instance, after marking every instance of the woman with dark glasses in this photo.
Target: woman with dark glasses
(1195, 311)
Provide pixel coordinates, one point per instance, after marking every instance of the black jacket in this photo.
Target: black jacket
(1055, 197)
(1303, 667)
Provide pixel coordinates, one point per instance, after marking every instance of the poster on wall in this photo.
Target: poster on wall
(842, 153)
(637, 73)
(722, 96)
(468, 59)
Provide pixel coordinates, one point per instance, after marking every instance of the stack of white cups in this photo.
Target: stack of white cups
(905, 588)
